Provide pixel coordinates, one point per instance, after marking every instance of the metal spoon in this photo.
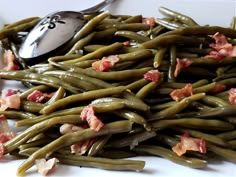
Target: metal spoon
(53, 31)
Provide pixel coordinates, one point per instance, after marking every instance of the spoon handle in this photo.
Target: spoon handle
(97, 7)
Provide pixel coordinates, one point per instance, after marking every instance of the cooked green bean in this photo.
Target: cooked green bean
(132, 36)
(71, 138)
(170, 155)
(98, 145)
(173, 62)
(159, 57)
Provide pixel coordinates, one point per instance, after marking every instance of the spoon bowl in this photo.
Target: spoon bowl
(53, 31)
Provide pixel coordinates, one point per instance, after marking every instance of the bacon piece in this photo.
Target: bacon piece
(181, 65)
(5, 133)
(179, 94)
(9, 99)
(46, 166)
(106, 63)
(94, 122)
(8, 60)
(150, 21)
(218, 88)
(81, 147)
(221, 48)
(38, 96)
(152, 75)
(78, 148)
(189, 144)
(232, 96)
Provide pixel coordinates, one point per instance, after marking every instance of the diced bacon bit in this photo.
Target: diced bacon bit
(81, 147)
(179, 94)
(78, 148)
(38, 96)
(150, 21)
(181, 65)
(5, 133)
(106, 63)
(46, 166)
(218, 88)
(232, 96)
(8, 60)
(94, 122)
(152, 75)
(221, 48)
(9, 99)
(126, 43)
(189, 144)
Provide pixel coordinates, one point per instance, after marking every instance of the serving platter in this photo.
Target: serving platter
(212, 12)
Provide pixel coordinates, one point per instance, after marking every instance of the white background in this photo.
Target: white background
(213, 12)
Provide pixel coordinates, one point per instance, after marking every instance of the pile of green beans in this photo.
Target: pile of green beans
(139, 115)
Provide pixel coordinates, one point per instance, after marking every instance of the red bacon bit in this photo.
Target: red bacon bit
(126, 43)
(94, 122)
(38, 96)
(78, 148)
(5, 133)
(232, 96)
(181, 65)
(179, 94)
(189, 144)
(106, 63)
(46, 166)
(8, 60)
(221, 48)
(218, 88)
(152, 75)
(150, 21)
(9, 99)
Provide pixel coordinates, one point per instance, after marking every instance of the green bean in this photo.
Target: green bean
(182, 18)
(71, 138)
(178, 107)
(199, 71)
(111, 75)
(98, 145)
(163, 105)
(60, 93)
(81, 97)
(103, 163)
(117, 154)
(173, 63)
(137, 84)
(136, 55)
(173, 39)
(159, 56)
(104, 35)
(132, 36)
(229, 135)
(20, 22)
(125, 26)
(214, 101)
(170, 155)
(194, 123)
(81, 43)
(31, 107)
(17, 27)
(99, 108)
(189, 31)
(133, 117)
(186, 55)
(169, 24)
(232, 144)
(134, 19)
(227, 82)
(224, 76)
(227, 154)
(205, 88)
(37, 128)
(147, 89)
(200, 83)
(42, 88)
(200, 51)
(88, 27)
(107, 50)
(36, 78)
(131, 140)
(207, 137)
(35, 143)
(11, 114)
(93, 47)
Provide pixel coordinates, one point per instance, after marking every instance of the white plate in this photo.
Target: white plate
(213, 12)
